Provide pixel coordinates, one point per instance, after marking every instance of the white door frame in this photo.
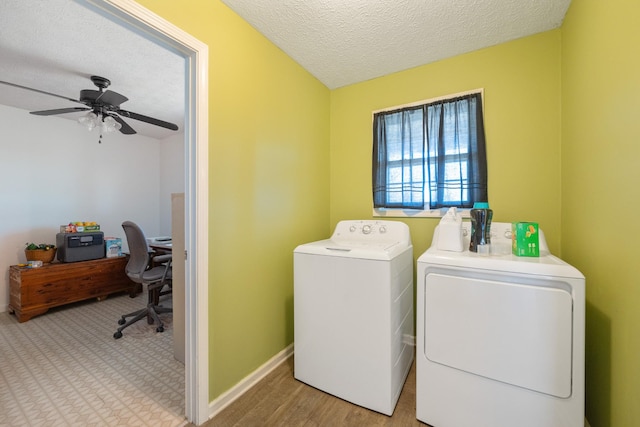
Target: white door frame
(135, 17)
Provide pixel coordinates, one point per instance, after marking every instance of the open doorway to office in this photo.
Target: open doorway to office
(133, 16)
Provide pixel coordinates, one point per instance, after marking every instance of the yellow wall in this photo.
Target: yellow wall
(601, 195)
(269, 184)
(562, 130)
(521, 82)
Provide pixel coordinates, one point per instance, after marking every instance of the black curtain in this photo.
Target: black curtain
(398, 159)
(440, 145)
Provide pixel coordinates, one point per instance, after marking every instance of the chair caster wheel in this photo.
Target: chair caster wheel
(160, 329)
(121, 321)
(117, 335)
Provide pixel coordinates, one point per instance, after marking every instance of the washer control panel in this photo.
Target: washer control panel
(371, 231)
(368, 229)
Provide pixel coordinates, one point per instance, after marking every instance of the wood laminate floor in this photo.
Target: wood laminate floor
(280, 400)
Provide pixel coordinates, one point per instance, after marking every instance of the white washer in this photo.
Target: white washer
(353, 312)
(500, 338)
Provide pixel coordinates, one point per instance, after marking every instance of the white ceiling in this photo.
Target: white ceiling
(56, 45)
(342, 42)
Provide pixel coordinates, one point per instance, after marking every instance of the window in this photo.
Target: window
(430, 156)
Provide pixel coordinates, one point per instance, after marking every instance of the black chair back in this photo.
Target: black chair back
(139, 254)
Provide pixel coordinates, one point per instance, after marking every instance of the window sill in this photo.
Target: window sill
(399, 213)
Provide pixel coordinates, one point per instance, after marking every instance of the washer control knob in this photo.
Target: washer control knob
(366, 229)
(352, 228)
(383, 229)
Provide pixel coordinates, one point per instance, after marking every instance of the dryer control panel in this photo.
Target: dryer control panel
(500, 238)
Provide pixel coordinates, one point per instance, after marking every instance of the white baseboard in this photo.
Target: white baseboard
(226, 398)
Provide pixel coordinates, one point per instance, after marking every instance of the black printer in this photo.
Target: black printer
(74, 247)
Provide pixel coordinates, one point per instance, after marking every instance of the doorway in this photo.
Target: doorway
(140, 20)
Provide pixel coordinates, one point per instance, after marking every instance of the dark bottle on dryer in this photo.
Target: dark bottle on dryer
(480, 228)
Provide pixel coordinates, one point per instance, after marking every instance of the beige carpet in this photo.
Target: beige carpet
(64, 368)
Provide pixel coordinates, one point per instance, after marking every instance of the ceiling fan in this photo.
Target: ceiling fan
(102, 103)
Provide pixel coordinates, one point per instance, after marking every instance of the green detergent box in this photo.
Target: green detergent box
(524, 239)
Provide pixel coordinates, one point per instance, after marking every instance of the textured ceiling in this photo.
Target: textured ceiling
(342, 42)
(56, 45)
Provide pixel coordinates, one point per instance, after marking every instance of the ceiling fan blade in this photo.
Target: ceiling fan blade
(40, 91)
(125, 129)
(111, 98)
(147, 119)
(89, 96)
(59, 111)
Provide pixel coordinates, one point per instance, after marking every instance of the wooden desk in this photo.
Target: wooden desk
(162, 248)
(33, 291)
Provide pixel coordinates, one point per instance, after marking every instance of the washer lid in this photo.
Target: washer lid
(380, 240)
(375, 251)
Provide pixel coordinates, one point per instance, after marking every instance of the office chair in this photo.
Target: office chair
(154, 272)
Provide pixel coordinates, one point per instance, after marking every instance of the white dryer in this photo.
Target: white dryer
(500, 338)
(353, 312)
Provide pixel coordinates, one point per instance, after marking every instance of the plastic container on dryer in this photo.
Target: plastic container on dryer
(448, 233)
(481, 217)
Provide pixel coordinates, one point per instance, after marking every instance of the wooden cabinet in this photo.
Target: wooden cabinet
(33, 291)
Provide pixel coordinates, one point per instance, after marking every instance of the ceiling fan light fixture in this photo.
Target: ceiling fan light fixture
(109, 124)
(89, 120)
(106, 124)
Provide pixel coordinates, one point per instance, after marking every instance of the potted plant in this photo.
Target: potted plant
(42, 252)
